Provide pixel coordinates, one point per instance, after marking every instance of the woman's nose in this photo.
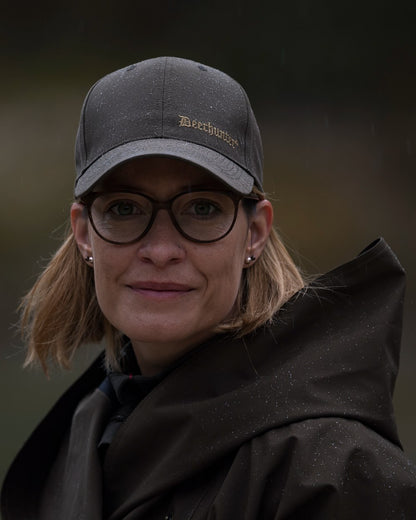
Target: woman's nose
(162, 244)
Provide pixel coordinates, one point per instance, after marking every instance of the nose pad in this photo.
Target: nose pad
(162, 243)
(163, 223)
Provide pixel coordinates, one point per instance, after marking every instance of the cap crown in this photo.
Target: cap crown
(169, 98)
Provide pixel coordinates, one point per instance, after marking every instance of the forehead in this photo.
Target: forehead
(161, 174)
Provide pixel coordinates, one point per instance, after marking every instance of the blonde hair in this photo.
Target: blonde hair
(61, 312)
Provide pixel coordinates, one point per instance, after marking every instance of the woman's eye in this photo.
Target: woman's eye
(203, 208)
(124, 209)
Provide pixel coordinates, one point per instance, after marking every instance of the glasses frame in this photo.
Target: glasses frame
(88, 200)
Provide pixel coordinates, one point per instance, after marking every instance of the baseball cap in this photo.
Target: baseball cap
(170, 107)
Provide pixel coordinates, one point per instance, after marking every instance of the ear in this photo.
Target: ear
(79, 224)
(260, 225)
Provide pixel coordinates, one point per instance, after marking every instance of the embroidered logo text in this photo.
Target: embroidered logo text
(209, 129)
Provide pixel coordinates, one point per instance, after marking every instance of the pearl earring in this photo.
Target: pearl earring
(250, 259)
(89, 259)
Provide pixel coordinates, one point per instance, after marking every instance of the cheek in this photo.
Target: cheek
(103, 284)
(223, 274)
(108, 264)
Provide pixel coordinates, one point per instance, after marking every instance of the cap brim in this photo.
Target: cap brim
(224, 169)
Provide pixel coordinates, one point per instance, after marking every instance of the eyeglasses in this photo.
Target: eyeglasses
(125, 217)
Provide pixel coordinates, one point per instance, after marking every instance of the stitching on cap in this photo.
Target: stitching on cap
(163, 98)
(82, 122)
(84, 113)
(247, 121)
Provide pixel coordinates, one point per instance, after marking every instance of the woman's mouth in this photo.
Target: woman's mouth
(160, 290)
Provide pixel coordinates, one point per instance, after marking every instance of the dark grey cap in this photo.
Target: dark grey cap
(169, 107)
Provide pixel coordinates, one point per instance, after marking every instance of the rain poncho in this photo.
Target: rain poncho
(294, 421)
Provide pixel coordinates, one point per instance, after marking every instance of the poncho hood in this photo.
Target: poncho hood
(332, 352)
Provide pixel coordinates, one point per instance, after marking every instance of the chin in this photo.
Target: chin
(169, 332)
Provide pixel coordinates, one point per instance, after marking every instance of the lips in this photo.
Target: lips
(160, 290)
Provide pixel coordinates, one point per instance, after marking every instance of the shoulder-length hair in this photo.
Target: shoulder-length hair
(61, 312)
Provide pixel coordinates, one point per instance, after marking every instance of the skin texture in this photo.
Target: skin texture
(166, 293)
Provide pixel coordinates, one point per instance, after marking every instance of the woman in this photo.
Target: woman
(227, 389)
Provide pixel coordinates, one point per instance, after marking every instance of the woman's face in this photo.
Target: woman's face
(166, 293)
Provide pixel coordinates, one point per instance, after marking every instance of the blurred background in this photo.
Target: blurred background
(333, 86)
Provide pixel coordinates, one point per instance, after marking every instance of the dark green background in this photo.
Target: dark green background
(333, 85)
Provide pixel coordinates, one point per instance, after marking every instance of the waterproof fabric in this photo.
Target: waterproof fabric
(294, 421)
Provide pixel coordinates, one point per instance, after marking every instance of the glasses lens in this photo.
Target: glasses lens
(204, 215)
(121, 217)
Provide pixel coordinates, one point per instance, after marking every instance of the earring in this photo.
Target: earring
(250, 259)
(89, 259)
